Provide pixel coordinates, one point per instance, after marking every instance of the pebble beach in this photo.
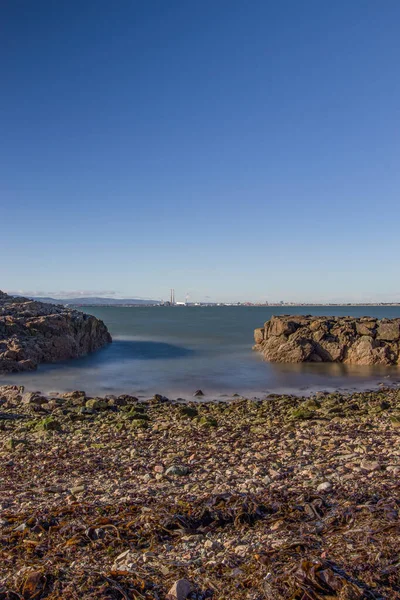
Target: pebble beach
(278, 498)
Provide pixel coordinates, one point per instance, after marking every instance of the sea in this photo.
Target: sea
(176, 350)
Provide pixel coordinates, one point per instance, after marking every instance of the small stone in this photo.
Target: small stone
(33, 398)
(139, 423)
(394, 470)
(178, 470)
(326, 486)
(188, 411)
(78, 489)
(49, 424)
(160, 398)
(97, 404)
(12, 443)
(180, 590)
(370, 465)
(208, 422)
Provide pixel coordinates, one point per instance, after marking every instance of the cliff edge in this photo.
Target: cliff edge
(34, 332)
(359, 341)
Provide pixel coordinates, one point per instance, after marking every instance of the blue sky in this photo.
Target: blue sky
(234, 150)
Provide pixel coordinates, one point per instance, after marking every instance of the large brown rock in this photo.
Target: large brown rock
(259, 335)
(279, 349)
(389, 330)
(35, 332)
(362, 341)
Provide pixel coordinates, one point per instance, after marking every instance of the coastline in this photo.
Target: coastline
(356, 382)
(121, 498)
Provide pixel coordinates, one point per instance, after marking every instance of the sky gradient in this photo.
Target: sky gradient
(233, 150)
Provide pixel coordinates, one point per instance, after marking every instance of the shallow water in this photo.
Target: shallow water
(176, 350)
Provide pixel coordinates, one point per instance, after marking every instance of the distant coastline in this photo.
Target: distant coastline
(227, 304)
(99, 301)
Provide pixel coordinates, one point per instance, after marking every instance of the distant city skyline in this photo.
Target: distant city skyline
(378, 298)
(239, 151)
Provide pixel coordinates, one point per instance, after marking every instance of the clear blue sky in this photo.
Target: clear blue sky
(237, 150)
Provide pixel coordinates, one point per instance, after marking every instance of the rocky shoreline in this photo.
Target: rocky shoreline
(281, 498)
(348, 340)
(36, 332)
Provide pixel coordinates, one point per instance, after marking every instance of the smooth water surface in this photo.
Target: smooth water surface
(176, 350)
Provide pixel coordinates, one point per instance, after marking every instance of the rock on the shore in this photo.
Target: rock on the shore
(180, 590)
(35, 332)
(361, 341)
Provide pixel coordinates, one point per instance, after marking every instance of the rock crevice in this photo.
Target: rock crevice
(360, 341)
(35, 332)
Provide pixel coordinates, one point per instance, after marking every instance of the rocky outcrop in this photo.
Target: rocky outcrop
(35, 332)
(359, 341)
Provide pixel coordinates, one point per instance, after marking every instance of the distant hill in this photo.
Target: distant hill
(96, 301)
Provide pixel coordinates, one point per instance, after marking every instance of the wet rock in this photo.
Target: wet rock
(188, 411)
(116, 402)
(33, 398)
(75, 395)
(160, 398)
(97, 404)
(11, 392)
(126, 399)
(198, 393)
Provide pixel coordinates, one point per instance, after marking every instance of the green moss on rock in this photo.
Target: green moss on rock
(208, 421)
(49, 424)
(97, 404)
(188, 411)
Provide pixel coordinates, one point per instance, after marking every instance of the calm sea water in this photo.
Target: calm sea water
(176, 350)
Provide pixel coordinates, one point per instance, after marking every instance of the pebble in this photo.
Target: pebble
(180, 590)
(77, 489)
(177, 470)
(326, 486)
(370, 465)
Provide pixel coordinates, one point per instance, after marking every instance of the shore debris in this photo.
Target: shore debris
(243, 500)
